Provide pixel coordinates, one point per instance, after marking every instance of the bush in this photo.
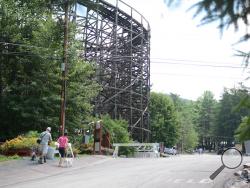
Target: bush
(14, 146)
(75, 151)
(86, 149)
(118, 129)
(32, 134)
(127, 151)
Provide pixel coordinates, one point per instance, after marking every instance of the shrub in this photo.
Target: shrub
(32, 134)
(18, 143)
(118, 129)
(75, 151)
(127, 151)
(86, 149)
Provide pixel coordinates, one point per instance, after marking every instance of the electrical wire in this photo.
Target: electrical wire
(165, 61)
(23, 45)
(191, 75)
(197, 65)
(29, 55)
(26, 53)
(189, 60)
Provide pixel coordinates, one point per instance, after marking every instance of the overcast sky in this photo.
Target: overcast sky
(186, 59)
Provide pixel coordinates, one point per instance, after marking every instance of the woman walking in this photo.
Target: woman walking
(63, 143)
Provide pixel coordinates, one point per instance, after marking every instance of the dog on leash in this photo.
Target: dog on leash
(68, 162)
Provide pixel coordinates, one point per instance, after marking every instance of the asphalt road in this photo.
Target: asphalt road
(187, 171)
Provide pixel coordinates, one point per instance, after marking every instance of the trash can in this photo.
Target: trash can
(50, 153)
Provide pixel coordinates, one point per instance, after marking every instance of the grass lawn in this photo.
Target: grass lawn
(7, 158)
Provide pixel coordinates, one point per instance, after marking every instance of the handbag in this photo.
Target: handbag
(40, 139)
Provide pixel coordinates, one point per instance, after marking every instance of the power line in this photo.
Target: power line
(191, 75)
(189, 60)
(24, 45)
(165, 61)
(197, 65)
(29, 55)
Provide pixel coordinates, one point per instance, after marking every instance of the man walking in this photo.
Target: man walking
(45, 140)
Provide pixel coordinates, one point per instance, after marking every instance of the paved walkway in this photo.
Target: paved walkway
(19, 171)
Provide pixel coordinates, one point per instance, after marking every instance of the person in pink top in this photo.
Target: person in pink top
(63, 143)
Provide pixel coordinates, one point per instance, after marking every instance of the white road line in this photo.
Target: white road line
(189, 181)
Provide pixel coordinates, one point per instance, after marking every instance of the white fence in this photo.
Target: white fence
(143, 150)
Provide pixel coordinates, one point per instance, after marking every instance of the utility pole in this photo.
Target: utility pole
(64, 68)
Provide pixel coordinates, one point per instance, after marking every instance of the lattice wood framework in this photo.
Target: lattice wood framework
(117, 38)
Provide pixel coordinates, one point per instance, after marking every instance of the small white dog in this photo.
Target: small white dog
(68, 162)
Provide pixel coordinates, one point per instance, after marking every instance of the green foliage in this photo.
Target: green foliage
(163, 119)
(81, 91)
(186, 115)
(190, 139)
(86, 148)
(242, 133)
(78, 146)
(32, 134)
(19, 142)
(31, 57)
(230, 113)
(126, 151)
(207, 109)
(75, 138)
(7, 158)
(117, 128)
(225, 12)
(206, 119)
(28, 86)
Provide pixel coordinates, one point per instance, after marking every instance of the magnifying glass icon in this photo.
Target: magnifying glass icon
(231, 158)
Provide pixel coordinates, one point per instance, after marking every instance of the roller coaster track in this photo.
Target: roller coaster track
(116, 38)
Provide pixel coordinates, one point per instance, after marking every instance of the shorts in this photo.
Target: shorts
(62, 151)
(44, 149)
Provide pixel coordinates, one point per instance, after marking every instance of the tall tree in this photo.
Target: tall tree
(230, 114)
(31, 41)
(186, 116)
(21, 66)
(163, 119)
(242, 133)
(206, 105)
(227, 13)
